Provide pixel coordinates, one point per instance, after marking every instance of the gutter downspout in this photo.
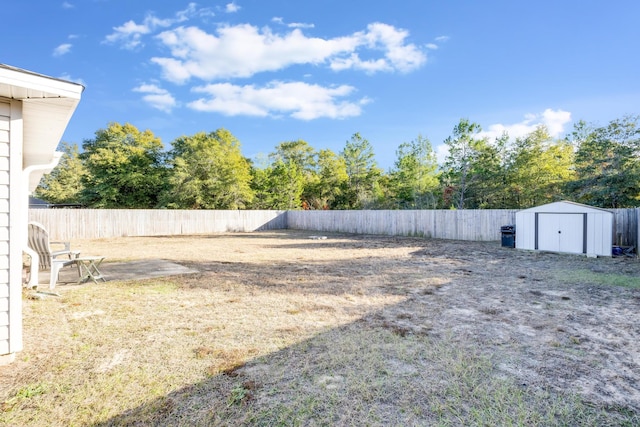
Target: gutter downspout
(35, 258)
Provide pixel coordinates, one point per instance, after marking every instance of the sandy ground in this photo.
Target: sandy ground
(550, 321)
(549, 326)
(548, 317)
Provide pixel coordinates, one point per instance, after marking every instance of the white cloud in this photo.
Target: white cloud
(383, 37)
(184, 15)
(353, 61)
(244, 50)
(157, 97)
(554, 120)
(231, 7)
(63, 49)
(300, 25)
(67, 5)
(403, 57)
(439, 40)
(298, 100)
(279, 20)
(442, 151)
(129, 35)
(240, 51)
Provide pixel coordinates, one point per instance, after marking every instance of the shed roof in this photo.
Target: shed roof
(47, 105)
(564, 206)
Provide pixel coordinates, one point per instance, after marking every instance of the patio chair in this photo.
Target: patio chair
(47, 258)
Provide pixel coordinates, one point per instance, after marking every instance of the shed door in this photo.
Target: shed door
(560, 232)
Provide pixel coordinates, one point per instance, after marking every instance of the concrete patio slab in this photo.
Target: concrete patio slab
(112, 271)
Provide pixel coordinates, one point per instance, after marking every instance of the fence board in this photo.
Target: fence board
(625, 226)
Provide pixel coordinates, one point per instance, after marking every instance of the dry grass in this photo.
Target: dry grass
(281, 329)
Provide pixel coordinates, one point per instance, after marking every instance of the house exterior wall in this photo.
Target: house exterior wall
(6, 297)
(34, 112)
(548, 220)
(12, 213)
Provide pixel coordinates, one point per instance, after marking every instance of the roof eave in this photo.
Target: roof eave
(47, 106)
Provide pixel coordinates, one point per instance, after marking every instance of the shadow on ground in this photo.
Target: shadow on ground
(369, 372)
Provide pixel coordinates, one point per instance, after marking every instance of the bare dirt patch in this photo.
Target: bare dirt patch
(284, 328)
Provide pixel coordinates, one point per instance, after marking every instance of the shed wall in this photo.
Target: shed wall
(598, 231)
(526, 230)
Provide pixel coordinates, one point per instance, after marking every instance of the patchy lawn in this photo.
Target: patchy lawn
(283, 328)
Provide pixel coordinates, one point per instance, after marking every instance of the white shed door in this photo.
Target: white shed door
(561, 232)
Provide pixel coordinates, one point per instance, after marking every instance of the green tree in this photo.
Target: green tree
(65, 182)
(361, 189)
(304, 157)
(298, 152)
(539, 169)
(208, 172)
(464, 147)
(328, 183)
(488, 175)
(607, 163)
(125, 168)
(279, 186)
(414, 179)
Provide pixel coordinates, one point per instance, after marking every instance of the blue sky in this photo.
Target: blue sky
(282, 70)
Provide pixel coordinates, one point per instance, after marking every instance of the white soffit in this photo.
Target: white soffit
(47, 106)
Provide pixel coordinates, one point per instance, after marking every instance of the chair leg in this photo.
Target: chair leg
(55, 271)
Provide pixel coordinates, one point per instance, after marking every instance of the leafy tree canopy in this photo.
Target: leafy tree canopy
(208, 172)
(607, 163)
(125, 168)
(360, 189)
(65, 183)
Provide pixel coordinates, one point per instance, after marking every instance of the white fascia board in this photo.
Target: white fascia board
(49, 86)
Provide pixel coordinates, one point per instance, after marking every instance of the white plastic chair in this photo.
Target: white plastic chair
(47, 258)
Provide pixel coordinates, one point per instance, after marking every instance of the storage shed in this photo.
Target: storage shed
(565, 227)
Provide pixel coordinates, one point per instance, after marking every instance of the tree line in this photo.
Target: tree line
(123, 167)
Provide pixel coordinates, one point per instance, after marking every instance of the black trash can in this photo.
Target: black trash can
(508, 236)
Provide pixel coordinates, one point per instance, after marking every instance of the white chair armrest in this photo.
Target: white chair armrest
(69, 254)
(67, 245)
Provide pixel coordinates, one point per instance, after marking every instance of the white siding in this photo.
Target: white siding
(17, 215)
(5, 120)
(4, 317)
(12, 216)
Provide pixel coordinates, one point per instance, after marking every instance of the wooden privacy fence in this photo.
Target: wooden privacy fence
(474, 225)
(69, 224)
(625, 226)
